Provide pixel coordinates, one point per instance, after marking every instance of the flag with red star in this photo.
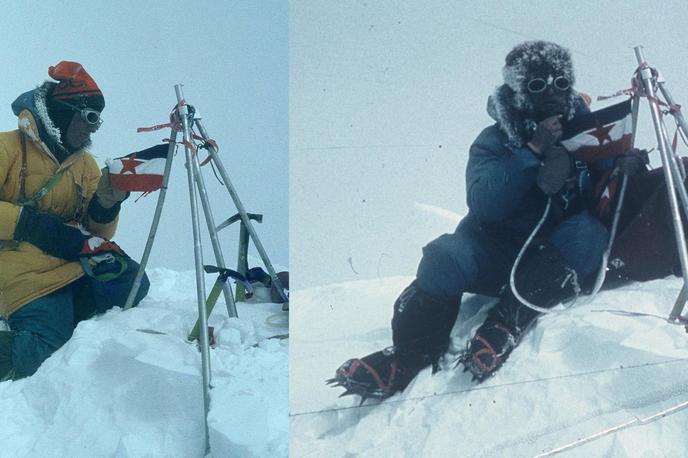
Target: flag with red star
(139, 171)
(599, 135)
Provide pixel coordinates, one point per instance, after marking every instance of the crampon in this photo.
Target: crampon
(487, 351)
(375, 376)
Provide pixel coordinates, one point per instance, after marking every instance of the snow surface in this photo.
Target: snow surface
(575, 374)
(114, 390)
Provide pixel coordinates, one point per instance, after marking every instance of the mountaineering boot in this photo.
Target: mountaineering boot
(421, 326)
(6, 367)
(381, 374)
(543, 279)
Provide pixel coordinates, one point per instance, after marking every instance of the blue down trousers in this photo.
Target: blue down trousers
(42, 326)
(475, 261)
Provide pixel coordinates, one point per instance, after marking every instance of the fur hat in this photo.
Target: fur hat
(536, 58)
(511, 105)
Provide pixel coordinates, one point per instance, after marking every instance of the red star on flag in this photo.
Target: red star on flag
(602, 133)
(129, 165)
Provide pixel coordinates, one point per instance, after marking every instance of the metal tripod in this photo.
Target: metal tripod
(183, 119)
(647, 82)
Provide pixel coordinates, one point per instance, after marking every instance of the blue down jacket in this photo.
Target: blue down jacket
(505, 205)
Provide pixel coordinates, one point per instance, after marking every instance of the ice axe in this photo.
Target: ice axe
(224, 275)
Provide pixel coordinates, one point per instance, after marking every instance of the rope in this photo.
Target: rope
(602, 273)
(613, 429)
(391, 401)
(524, 248)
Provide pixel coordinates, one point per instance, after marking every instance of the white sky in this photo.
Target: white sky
(231, 57)
(386, 98)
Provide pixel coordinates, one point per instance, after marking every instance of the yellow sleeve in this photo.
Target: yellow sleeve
(9, 212)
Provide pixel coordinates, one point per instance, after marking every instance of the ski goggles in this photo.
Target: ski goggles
(537, 85)
(88, 115)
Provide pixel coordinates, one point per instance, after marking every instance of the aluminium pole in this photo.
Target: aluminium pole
(679, 172)
(678, 175)
(244, 216)
(677, 114)
(646, 75)
(212, 230)
(156, 221)
(214, 240)
(679, 187)
(198, 256)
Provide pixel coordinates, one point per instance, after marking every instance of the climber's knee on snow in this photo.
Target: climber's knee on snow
(582, 240)
(39, 328)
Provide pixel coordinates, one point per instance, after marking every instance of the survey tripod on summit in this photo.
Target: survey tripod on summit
(649, 83)
(184, 118)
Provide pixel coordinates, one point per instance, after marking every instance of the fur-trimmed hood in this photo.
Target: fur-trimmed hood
(518, 127)
(512, 106)
(32, 106)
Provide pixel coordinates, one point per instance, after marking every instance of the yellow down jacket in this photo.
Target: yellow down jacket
(26, 272)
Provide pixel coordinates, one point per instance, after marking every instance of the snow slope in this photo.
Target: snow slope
(574, 375)
(385, 100)
(114, 390)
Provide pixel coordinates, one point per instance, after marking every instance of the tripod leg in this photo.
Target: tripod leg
(198, 256)
(244, 216)
(212, 231)
(242, 263)
(669, 173)
(209, 305)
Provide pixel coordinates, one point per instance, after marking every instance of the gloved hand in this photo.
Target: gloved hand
(633, 162)
(554, 171)
(547, 133)
(108, 196)
(50, 234)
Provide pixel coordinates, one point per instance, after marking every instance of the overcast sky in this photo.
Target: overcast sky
(231, 57)
(386, 98)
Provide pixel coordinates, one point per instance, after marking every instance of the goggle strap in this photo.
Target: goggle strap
(84, 112)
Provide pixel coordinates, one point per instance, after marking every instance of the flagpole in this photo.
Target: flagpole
(602, 273)
(154, 226)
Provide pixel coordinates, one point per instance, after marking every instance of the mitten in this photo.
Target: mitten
(49, 233)
(106, 194)
(633, 162)
(555, 170)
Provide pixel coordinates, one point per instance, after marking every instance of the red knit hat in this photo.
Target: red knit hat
(73, 82)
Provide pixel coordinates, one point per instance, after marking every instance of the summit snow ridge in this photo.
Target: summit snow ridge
(574, 375)
(115, 391)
